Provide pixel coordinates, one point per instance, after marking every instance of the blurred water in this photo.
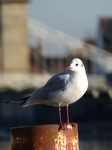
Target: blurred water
(83, 145)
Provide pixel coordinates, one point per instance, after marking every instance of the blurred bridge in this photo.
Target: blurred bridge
(60, 46)
(63, 47)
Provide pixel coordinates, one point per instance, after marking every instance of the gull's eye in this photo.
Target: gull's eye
(76, 64)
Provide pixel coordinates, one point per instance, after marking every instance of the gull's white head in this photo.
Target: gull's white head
(76, 65)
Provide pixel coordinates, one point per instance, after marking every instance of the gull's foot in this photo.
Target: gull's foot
(63, 126)
(73, 124)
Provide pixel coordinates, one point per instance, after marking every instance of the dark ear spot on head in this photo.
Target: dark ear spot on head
(76, 64)
(81, 65)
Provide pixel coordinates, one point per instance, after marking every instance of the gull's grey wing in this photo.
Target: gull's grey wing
(57, 83)
(58, 80)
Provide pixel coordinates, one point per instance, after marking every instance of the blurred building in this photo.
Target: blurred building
(14, 49)
(104, 39)
(104, 43)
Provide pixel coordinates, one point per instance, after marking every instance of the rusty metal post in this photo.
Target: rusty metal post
(44, 137)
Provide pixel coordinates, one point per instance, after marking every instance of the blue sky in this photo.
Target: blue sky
(78, 18)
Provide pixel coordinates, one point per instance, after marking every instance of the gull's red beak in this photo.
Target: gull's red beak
(68, 68)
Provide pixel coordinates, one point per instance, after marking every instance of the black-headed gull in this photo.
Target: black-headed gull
(61, 89)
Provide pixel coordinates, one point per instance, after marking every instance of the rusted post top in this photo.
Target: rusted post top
(44, 137)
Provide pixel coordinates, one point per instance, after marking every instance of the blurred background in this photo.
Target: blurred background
(37, 40)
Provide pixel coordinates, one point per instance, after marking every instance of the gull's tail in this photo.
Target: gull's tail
(20, 101)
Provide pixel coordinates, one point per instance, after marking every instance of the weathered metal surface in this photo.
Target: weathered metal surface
(44, 137)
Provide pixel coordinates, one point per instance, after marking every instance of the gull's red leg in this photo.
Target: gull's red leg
(63, 126)
(59, 110)
(67, 114)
